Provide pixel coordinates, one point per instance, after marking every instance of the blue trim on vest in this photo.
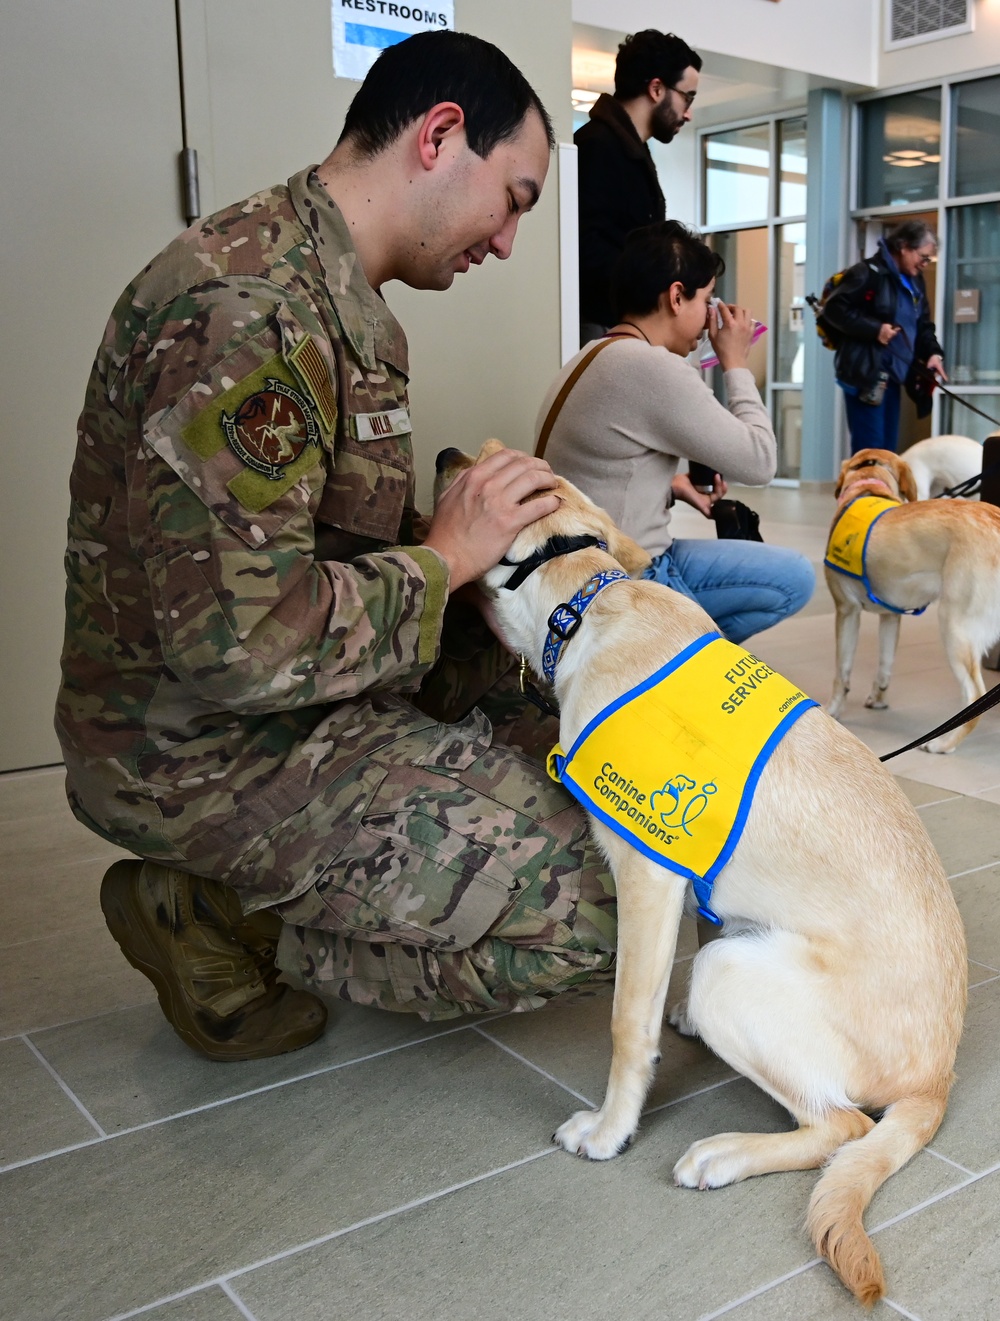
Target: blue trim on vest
(567, 617)
(702, 885)
(862, 577)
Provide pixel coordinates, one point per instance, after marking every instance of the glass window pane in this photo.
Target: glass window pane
(737, 168)
(788, 431)
(960, 421)
(744, 282)
(788, 351)
(977, 137)
(972, 307)
(792, 155)
(900, 148)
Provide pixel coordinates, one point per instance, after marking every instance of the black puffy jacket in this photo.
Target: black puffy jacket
(618, 192)
(864, 301)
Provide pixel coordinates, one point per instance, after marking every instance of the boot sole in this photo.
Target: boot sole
(144, 949)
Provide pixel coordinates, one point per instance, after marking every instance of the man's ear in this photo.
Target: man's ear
(442, 121)
(905, 478)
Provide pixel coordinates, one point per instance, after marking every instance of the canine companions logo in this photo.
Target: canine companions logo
(681, 807)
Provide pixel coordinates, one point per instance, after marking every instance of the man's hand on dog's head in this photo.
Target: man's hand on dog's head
(477, 518)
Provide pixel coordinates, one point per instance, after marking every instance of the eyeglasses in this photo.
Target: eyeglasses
(925, 259)
(688, 96)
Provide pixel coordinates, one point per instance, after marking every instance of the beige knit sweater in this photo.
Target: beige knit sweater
(633, 413)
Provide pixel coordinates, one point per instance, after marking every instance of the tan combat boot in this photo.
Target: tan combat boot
(213, 968)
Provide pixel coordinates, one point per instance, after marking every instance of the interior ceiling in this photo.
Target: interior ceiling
(729, 87)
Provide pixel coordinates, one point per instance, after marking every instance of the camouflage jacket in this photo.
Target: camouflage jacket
(237, 592)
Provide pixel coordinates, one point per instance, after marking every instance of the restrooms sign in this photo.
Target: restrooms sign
(362, 29)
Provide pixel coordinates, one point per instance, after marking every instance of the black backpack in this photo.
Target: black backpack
(830, 336)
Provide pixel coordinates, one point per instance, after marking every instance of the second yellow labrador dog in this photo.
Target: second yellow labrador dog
(915, 553)
(838, 985)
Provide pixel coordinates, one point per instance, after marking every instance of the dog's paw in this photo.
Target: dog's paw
(679, 1021)
(943, 745)
(587, 1133)
(874, 703)
(711, 1163)
(834, 709)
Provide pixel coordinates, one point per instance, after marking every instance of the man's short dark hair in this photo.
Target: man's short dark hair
(430, 67)
(654, 258)
(910, 234)
(650, 54)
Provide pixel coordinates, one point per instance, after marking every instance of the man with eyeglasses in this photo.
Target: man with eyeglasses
(656, 80)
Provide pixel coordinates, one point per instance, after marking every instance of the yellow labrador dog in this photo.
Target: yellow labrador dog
(918, 552)
(941, 462)
(838, 985)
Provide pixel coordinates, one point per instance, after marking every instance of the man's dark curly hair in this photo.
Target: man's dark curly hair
(650, 54)
(429, 67)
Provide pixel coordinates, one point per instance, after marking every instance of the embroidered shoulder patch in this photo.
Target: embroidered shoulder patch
(309, 364)
(271, 428)
(268, 425)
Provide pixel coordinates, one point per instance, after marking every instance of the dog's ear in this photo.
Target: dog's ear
(905, 478)
(629, 554)
(840, 479)
(490, 447)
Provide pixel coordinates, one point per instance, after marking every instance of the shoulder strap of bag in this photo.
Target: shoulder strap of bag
(567, 385)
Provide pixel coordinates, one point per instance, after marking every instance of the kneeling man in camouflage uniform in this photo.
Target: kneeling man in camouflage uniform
(271, 693)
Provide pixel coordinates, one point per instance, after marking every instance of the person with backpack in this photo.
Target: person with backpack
(878, 319)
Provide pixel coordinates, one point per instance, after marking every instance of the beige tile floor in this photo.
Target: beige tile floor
(396, 1170)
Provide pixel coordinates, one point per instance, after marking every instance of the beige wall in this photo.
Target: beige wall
(979, 49)
(92, 129)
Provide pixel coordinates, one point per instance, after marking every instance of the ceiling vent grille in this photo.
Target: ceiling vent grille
(912, 21)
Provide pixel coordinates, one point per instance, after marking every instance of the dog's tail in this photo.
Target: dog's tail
(851, 1179)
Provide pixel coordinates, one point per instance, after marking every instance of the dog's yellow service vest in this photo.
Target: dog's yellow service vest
(673, 764)
(847, 549)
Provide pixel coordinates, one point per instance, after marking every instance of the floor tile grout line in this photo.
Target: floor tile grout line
(898, 1307)
(689, 1096)
(932, 1201)
(758, 1292)
(988, 966)
(974, 986)
(236, 1300)
(955, 875)
(948, 1161)
(537, 1068)
(72, 1022)
(938, 801)
(64, 1085)
(227, 1100)
(227, 1276)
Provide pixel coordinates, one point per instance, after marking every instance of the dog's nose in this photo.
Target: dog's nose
(445, 457)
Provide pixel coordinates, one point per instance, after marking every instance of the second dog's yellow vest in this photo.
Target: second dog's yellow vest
(847, 548)
(672, 765)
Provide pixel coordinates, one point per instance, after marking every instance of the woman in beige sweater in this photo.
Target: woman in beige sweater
(639, 407)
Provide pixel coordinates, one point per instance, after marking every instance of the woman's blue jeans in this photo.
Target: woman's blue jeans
(746, 586)
(873, 426)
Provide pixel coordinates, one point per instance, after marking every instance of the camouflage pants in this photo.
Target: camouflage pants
(468, 882)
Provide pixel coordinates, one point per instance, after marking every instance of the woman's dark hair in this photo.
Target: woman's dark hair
(910, 234)
(654, 258)
(415, 74)
(650, 54)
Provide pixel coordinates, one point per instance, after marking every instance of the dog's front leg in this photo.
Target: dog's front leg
(888, 637)
(650, 904)
(848, 627)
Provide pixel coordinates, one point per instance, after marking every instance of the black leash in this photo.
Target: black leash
(974, 709)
